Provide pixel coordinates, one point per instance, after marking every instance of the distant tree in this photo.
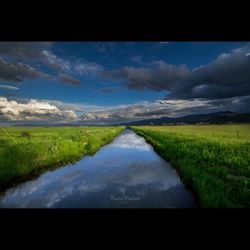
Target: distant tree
(25, 134)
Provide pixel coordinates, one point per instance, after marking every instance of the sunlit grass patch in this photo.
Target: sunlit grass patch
(213, 160)
(24, 150)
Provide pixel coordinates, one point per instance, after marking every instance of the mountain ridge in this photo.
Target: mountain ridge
(210, 118)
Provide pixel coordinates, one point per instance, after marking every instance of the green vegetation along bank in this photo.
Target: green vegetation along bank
(27, 151)
(213, 160)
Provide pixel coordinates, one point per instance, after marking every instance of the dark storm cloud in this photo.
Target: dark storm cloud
(235, 104)
(239, 104)
(25, 50)
(160, 76)
(38, 51)
(227, 76)
(17, 72)
(19, 54)
(68, 79)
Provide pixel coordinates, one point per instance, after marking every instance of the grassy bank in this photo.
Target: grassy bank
(27, 151)
(213, 160)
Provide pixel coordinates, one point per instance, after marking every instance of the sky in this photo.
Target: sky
(115, 82)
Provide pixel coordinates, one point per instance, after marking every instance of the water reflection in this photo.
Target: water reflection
(125, 173)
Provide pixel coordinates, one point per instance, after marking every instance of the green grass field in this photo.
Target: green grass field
(27, 151)
(213, 160)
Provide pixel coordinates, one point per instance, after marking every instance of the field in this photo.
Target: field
(213, 160)
(27, 151)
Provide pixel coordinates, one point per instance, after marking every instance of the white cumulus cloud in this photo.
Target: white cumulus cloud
(32, 110)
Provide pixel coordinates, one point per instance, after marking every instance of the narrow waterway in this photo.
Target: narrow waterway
(126, 173)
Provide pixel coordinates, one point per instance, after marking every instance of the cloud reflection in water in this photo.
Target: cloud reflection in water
(128, 163)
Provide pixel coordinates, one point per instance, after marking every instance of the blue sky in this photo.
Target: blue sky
(129, 68)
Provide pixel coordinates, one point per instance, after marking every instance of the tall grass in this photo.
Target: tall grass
(214, 161)
(27, 150)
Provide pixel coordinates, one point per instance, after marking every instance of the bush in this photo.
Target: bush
(25, 134)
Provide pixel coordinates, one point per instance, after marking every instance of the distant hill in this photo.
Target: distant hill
(212, 118)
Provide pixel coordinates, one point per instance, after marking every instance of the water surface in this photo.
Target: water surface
(125, 173)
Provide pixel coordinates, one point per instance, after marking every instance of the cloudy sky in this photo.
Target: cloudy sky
(113, 82)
